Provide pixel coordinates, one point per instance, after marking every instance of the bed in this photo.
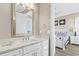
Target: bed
(62, 38)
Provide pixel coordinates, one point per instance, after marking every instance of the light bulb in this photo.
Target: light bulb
(17, 3)
(48, 31)
(13, 17)
(40, 31)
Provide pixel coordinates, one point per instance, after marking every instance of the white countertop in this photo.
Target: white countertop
(18, 43)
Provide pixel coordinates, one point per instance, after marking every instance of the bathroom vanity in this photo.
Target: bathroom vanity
(35, 46)
(23, 23)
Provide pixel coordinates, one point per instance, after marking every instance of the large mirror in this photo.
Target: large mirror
(22, 19)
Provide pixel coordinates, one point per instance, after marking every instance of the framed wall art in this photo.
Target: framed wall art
(56, 22)
(62, 22)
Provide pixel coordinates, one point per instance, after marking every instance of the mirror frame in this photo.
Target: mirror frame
(13, 21)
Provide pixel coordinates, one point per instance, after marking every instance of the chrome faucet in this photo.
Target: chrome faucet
(27, 35)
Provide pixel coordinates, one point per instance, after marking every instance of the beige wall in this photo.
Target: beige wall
(35, 20)
(41, 18)
(70, 22)
(5, 20)
(44, 18)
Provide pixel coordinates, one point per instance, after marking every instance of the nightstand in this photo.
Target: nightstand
(74, 40)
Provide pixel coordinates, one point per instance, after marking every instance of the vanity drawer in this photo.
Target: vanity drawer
(35, 52)
(13, 53)
(31, 48)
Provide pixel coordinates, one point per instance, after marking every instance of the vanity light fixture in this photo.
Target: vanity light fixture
(24, 7)
(29, 6)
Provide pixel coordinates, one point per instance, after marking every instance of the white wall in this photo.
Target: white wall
(52, 32)
(5, 20)
(70, 22)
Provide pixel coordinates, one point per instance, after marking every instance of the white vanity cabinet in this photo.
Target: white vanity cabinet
(39, 49)
(36, 49)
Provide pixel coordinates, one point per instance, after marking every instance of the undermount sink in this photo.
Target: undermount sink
(6, 43)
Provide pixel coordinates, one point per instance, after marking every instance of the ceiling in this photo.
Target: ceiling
(62, 9)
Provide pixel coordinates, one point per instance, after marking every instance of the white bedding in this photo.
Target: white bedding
(61, 36)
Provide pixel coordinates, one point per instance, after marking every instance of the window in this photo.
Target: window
(77, 22)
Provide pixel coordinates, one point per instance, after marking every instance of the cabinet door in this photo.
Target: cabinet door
(45, 48)
(28, 54)
(31, 48)
(35, 52)
(13, 53)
